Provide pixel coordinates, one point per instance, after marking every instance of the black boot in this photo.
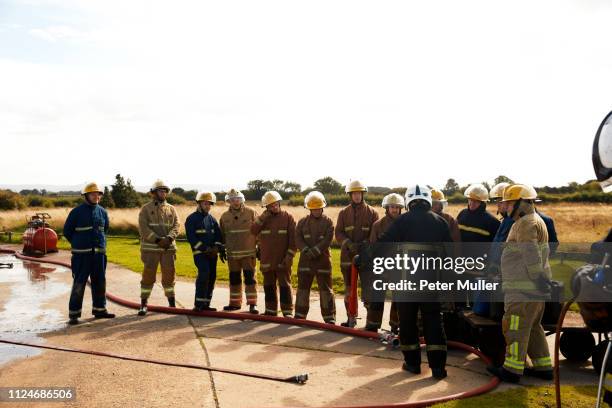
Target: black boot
(414, 369)
(438, 373)
(171, 302)
(351, 322)
(73, 320)
(143, 307)
(503, 374)
(231, 308)
(253, 309)
(395, 330)
(371, 328)
(208, 308)
(542, 374)
(104, 315)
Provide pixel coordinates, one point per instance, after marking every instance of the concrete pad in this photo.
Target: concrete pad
(343, 370)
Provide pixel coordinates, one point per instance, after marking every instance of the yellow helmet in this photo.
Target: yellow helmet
(519, 191)
(437, 195)
(91, 188)
(159, 185)
(206, 196)
(234, 193)
(355, 186)
(270, 197)
(393, 199)
(315, 200)
(477, 192)
(498, 190)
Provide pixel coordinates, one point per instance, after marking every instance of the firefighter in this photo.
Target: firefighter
(438, 205)
(313, 236)
(476, 224)
(422, 226)
(526, 283)
(204, 236)
(240, 245)
(85, 228)
(158, 223)
(393, 204)
(275, 229)
(353, 229)
(496, 195)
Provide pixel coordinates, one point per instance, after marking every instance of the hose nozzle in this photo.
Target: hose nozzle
(301, 378)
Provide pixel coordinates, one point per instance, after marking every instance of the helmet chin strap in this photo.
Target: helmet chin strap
(515, 208)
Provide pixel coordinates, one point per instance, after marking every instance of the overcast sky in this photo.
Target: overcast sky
(222, 92)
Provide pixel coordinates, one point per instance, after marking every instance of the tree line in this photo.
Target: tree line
(122, 194)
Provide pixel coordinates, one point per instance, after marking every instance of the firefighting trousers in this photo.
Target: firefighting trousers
(375, 314)
(524, 334)
(151, 260)
(433, 331)
(278, 280)
(237, 267)
(84, 266)
(205, 282)
(306, 276)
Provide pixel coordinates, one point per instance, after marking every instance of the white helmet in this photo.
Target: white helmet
(393, 199)
(315, 200)
(159, 185)
(234, 193)
(602, 154)
(497, 191)
(477, 192)
(270, 197)
(418, 192)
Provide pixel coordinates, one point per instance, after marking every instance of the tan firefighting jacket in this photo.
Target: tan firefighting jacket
(276, 235)
(236, 232)
(525, 255)
(353, 229)
(155, 221)
(316, 234)
(379, 227)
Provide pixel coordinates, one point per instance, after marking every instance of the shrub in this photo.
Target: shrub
(11, 201)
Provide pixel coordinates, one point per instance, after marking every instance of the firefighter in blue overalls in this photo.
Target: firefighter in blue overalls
(85, 229)
(204, 236)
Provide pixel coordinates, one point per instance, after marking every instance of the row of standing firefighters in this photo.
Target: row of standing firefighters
(241, 237)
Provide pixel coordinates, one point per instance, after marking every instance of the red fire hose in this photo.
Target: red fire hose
(493, 382)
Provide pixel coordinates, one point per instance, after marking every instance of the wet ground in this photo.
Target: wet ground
(27, 289)
(343, 370)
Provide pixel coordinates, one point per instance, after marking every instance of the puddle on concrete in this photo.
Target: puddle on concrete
(25, 289)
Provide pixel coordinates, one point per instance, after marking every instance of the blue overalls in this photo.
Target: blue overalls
(85, 229)
(203, 234)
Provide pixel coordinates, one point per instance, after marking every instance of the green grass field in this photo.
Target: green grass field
(530, 397)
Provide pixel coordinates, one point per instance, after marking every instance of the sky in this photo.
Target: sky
(212, 93)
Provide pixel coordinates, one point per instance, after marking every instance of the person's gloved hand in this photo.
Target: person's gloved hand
(544, 284)
(164, 242)
(258, 253)
(288, 261)
(222, 253)
(211, 252)
(306, 252)
(357, 260)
